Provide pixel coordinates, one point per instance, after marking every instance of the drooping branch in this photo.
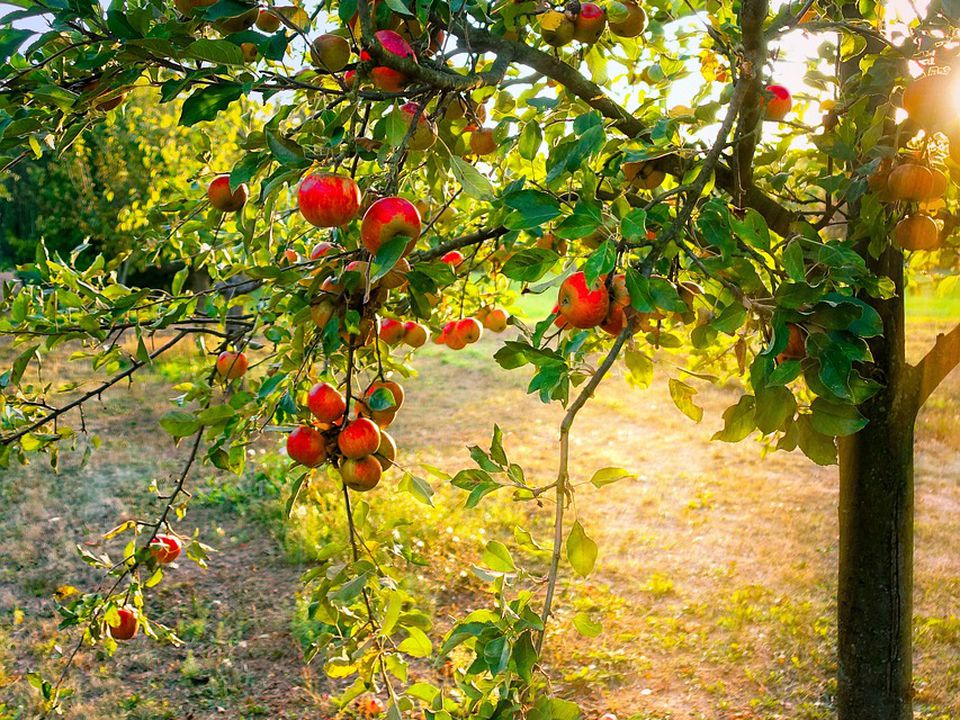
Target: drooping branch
(933, 369)
(458, 243)
(563, 473)
(135, 365)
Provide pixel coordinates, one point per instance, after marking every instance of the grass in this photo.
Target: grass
(714, 585)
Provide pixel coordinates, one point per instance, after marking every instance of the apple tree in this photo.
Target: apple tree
(404, 171)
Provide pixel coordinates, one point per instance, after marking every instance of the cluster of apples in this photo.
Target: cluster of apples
(457, 334)
(585, 22)
(360, 447)
(164, 549)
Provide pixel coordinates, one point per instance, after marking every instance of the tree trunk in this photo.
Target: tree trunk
(874, 598)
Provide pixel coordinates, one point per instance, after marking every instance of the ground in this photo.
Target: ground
(714, 584)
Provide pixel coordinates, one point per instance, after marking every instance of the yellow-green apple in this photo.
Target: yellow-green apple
(307, 446)
(361, 474)
(321, 312)
(127, 625)
(326, 403)
(328, 200)
(359, 438)
(188, 7)
(425, 135)
(397, 276)
(626, 18)
(386, 219)
(237, 23)
(590, 23)
(231, 365)
(778, 102)
(220, 196)
(330, 52)
(415, 335)
(643, 175)
(387, 452)
(556, 28)
(496, 320)
(267, 21)
(580, 306)
(165, 548)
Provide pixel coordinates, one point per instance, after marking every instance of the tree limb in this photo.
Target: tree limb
(941, 359)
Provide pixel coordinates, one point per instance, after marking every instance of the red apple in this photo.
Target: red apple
(359, 438)
(326, 403)
(128, 625)
(590, 23)
(579, 305)
(361, 474)
(384, 78)
(415, 335)
(452, 258)
(219, 195)
(392, 331)
(482, 141)
(231, 365)
(468, 330)
(320, 249)
(387, 218)
(560, 321)
(387, 452)
(165, 548)
(394, 388)
(328, 200)
(307, 446)
(615, 320)
(778, 102)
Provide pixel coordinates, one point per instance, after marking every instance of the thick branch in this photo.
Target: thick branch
(457, 243)
(942, 358)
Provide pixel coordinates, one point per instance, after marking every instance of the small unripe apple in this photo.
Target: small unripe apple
(626, 19)
(165, 548)
(326, 403)
(328, 200)
(231, 365)
(415, 335)
(321, 312)
(556, 28)
(189, 7)
(221, 197)
(127, 626)
(267, 21)
(307, 446)
(361, 474)
(426, 133)
(330, 52)
(249, 51)
(237, 23)
(359, 438)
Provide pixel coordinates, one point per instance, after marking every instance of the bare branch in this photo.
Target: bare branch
(941, 359)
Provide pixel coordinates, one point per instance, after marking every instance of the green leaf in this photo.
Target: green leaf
(286, 151)
(609, 475)
(530, 264)
(417, 644)
(387, 256)
(222, 52)
(682, 396)
(639, 368)
(633, 226)
(525, 656)
(206, 102)
(530, 138)
(775, 405)
(584, 220)
(474, 184)
(601, 262)
(587, 626)
(738, 420)
(531, 208)
(820, 448)
(581, 550)
(418, 487)
(836, 419)
(497, 557)
(11, 39)
(180, 424)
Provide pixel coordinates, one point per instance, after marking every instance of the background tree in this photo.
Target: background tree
(703, 237)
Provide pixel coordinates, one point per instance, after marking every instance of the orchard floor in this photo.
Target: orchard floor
(714, 583)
